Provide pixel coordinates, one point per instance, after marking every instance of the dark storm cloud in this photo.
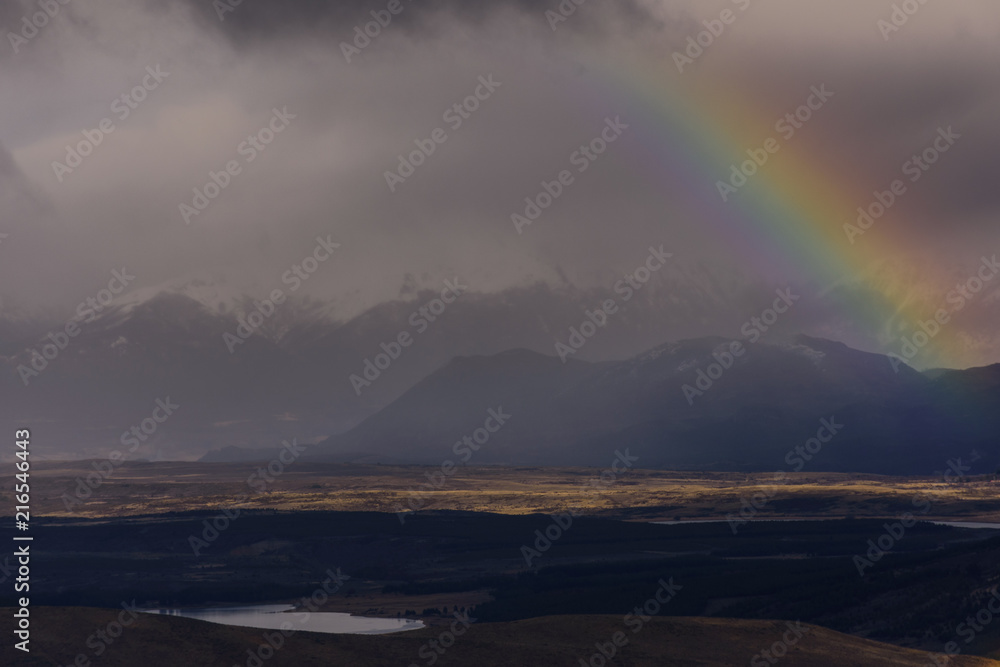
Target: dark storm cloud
(254, 20)
(325, 174)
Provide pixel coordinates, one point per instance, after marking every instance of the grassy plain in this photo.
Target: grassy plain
(154, 488)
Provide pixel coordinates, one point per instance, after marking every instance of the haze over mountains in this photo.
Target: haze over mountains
(860, 415)
(292, 379)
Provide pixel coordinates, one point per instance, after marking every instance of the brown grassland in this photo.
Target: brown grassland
(544, 642)
(155, 488)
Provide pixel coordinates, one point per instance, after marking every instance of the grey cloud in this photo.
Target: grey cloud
(254, 20)
(325, 174)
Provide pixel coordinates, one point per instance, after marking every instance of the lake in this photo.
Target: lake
(271, 617)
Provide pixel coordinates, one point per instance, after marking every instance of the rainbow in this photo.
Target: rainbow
(792, 213)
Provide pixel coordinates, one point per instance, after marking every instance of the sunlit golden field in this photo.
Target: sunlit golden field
(152, 488)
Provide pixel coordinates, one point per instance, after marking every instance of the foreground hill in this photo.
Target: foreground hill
(60, 634)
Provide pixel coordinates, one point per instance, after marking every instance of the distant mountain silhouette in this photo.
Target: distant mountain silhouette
(292, 378)
(771, 399)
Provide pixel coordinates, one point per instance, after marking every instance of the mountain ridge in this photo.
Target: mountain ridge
(575, 414)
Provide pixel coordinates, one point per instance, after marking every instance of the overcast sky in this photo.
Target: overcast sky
(324, 174)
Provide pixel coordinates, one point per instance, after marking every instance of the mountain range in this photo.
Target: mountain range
(291, 378)
(812, 405)
(688, 404)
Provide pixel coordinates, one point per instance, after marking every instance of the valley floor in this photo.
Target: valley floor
(209, 534)
(77, 489)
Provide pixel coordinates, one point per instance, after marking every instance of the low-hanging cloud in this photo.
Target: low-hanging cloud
(324, 174)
